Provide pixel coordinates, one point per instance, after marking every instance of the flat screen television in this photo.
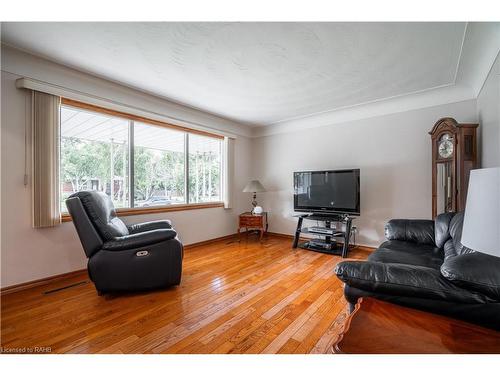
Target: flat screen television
(335, 192)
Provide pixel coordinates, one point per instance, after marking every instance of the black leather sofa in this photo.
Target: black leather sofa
(423, 265)
(124, 258)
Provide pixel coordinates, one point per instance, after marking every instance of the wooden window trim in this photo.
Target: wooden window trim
(111, 112)
(141, 210)
(154, 210)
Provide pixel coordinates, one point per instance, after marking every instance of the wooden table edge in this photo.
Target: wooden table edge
(347, 324)
(336, 347)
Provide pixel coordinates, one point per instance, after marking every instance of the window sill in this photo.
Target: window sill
(153, 210)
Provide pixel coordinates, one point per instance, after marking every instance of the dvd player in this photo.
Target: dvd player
(322, 230)
(322, 245)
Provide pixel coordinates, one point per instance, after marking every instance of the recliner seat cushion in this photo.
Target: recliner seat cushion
(101, 212)
(138, 240)
(408, 253)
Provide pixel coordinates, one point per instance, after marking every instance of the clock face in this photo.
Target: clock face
(445, 148)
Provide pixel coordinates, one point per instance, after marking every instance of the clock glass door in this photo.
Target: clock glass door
(444, 187)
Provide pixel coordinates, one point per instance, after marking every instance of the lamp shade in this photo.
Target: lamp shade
(254, 186)
(481, 230)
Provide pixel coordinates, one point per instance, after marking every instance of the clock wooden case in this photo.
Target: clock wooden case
(454, 154)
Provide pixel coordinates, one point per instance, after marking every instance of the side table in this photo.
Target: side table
(251, 221)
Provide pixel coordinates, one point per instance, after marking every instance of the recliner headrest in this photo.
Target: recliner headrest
(102, 214)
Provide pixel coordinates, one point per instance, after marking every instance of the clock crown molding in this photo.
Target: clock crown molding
(439, 126)
(449, 124)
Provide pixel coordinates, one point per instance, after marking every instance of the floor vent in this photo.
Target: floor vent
(65, 287)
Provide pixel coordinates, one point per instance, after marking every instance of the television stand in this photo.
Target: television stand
(325, 242)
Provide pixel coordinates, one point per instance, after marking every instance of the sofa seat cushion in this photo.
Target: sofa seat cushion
(474, 271)
(408, 253)
(405, 280)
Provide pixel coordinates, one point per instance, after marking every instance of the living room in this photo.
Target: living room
(283, 187)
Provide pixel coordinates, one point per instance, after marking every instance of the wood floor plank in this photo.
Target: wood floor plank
(243, 328)
(235, 297)
(287, 333)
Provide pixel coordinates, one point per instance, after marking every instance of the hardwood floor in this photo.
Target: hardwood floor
(234, 297)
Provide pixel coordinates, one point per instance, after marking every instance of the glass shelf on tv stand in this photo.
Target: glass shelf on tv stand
(337, 233)
(333, 247)
(328, 244)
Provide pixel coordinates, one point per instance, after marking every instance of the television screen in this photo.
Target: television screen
(327, 191)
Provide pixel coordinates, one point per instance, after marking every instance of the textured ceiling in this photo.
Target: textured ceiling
(256, 73)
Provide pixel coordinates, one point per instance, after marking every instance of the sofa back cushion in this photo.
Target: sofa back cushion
(418, 231)
(455, 229)
(442, 228)
(102, 214)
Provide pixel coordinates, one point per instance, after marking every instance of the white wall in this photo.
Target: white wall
(392, 151)
(29, 254)
(488, 107)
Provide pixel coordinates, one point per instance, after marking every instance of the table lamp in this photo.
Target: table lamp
(254, 187)
(481, 230)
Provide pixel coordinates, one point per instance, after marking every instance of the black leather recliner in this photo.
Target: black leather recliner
(120, 258)
(423, 265)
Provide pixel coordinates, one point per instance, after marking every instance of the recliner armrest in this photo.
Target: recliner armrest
(139, 239)
(419, 231)
(150, 225)
(404, 280)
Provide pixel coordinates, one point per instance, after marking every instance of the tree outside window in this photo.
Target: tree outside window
(96, 151)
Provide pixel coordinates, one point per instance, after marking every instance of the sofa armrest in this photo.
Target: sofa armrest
(419, 231)
(150, 225)
(404, 280)
(474, 271)
(139, 239)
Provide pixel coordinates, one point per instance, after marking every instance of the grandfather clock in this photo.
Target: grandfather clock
(454, 154)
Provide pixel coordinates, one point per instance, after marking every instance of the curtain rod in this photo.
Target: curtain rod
(49, 88)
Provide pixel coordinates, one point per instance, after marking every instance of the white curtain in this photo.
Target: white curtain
(228, 173)
(45, 159)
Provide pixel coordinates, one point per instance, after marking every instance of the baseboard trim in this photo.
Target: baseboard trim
(281, 235)
(67, 275)
(40, 282)
(207, 242)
